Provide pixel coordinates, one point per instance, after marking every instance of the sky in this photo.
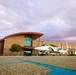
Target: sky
(56, 19)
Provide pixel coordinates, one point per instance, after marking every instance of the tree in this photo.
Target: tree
(15, 48)
(53, 45)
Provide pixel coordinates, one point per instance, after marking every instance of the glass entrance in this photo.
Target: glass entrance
(28, 42)
(27, 52)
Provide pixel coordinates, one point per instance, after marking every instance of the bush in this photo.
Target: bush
(15, 48)
(53, 45)
(71, 53)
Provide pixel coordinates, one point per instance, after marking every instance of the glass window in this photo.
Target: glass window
(27, 41)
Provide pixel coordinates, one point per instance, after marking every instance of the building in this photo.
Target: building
(24, 39)
(29, 40)
(64, 45)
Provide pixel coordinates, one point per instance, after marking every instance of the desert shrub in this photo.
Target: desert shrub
(15, 48)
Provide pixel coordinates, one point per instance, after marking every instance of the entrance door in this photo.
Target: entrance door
(27, 52)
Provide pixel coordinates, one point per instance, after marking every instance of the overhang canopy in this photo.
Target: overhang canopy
(27, 47)
(34, 35)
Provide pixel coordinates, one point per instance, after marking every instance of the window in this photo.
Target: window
(27, 41)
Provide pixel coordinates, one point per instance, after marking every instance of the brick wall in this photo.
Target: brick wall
(70, 45)
(12, 40)
(20, 40)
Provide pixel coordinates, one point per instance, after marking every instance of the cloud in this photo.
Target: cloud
(69, 39)
(55, 18)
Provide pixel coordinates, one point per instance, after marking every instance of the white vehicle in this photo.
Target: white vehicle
(45, 47)
(50, 49)
(63, 51)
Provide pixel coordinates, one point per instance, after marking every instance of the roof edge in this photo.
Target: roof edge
(23, 33)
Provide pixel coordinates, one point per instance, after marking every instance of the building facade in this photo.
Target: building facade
(71, 47)
(24, 39)
(29, 40)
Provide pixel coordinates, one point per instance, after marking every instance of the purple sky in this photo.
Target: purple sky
(56, 19)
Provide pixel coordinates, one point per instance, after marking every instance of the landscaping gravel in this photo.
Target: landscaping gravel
(14, 65)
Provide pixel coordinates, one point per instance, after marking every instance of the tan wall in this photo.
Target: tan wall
(12, 40)
(35, 52)
(20, 40)
(72, 46)
(36, 43)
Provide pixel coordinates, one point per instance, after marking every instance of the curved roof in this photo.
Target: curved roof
(34, 35)
(1, 39)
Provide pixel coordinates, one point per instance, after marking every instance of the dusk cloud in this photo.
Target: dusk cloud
(56, 19)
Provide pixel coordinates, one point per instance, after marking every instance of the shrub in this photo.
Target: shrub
(53, 45)
(71, 53)
(15, 48)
